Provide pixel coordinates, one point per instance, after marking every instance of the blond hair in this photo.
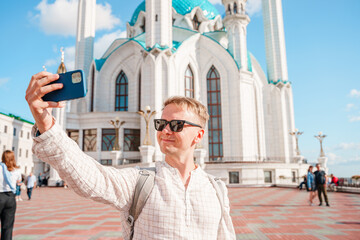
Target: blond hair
(190, 104)
(8, 157)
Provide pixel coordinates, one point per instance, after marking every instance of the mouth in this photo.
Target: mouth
(167, 140)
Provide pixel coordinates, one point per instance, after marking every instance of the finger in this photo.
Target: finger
(35, 83)
(48, 79)
(52, 105)
(40, 75)
(47, 89)
(62, 103)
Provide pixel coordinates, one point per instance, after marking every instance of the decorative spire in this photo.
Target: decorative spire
(62, 68)
(62, 54)
(44, 68)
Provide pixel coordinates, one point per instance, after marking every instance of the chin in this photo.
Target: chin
(167, 149)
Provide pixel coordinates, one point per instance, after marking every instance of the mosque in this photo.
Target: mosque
(185, 47)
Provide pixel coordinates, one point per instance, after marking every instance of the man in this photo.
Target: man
(31, 183)
(320, 182)
(183, 203)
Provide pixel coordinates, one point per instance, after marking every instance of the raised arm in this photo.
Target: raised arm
(84, 174)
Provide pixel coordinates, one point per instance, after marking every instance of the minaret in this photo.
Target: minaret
(274, 40)
(158, 26)
(84, 51)
(235, 23)
(282, 96)
(85, 35)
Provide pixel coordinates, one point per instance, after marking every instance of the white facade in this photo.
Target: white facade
(15, 135)
(167, 45)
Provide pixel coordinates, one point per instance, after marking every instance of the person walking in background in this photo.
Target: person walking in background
(320, 182)
(9, 176)
(19, 183)
(31, 183)
(311, 185)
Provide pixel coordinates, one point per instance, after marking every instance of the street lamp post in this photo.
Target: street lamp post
(297, 134)
(147, 114)
(116, 124)
(321, 137)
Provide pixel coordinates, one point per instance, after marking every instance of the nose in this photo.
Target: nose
(167, 129)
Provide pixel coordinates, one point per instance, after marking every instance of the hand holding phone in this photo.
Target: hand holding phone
(74, 86)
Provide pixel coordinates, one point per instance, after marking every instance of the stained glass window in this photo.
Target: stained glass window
(121, 98)
(214, 109)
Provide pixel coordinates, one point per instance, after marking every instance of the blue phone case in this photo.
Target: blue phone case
(74, 86)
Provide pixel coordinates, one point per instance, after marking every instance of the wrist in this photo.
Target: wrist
(44, 127)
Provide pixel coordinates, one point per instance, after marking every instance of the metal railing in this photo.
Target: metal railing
(349, 182)
(247, 159)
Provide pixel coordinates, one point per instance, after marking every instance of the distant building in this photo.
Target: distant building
(184, 47)
(15, 135)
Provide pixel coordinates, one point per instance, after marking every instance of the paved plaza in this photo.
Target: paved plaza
(258, 213)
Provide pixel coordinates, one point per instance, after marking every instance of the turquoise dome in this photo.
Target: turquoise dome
(182, 7)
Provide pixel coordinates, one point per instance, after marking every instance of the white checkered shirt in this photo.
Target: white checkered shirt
(171, 211)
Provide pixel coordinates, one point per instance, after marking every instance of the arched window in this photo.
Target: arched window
(189, 83)
(214, 109)
(143, 26)
(92, 89)
(196, 23)
(139, 92)
(235, 8)
(121, 91)
(229, 9)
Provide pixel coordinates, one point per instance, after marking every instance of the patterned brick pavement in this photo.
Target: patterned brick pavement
(258, 213)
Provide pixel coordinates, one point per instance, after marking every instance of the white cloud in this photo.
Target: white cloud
(348, 146)
(50, 62)
(3, 81)
(100, 47)
(60, 17)
(104, 18)
(350, 106)
(354, 119)
(104, 42)
(355, 93)
(215, 2)
(69, 58)
(253, 7)
(334, 159)
(355, 159)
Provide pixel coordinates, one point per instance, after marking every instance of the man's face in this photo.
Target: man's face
(177, 143)
(318, 167)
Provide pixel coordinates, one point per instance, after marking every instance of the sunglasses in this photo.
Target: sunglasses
(175, 125)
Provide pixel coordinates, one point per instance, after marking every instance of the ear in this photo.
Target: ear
(199, 135)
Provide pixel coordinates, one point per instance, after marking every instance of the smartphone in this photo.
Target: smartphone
(74, 86)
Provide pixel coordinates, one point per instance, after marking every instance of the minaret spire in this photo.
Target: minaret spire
(275, 41)
(236, 21)
(158, 23)
(84, 52)
(62, 68)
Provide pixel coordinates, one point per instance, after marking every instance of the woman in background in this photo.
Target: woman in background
(9, 176)
(311, 185)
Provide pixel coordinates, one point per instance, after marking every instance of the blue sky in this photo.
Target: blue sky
(322, 45)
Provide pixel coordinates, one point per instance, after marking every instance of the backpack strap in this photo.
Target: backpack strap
(219, 188)
(143, 188)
